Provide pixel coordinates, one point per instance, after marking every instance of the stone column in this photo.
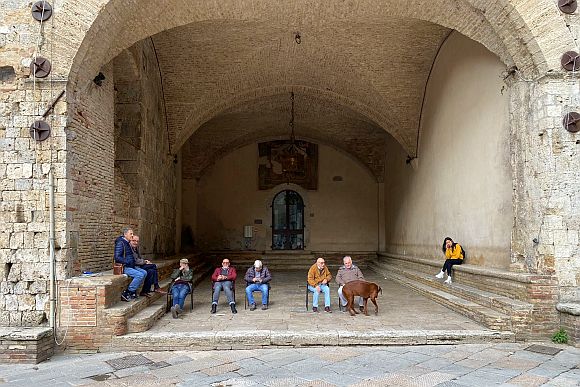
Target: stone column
(546, 169)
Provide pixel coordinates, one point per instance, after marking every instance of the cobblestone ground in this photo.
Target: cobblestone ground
(505, 364)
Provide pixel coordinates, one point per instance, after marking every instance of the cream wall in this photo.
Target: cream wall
(461, 184)
(339, 216)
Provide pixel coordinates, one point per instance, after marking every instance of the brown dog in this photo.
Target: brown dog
(363, 289)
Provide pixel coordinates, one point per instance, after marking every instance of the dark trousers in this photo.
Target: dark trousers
(152, 277)
(449, 264)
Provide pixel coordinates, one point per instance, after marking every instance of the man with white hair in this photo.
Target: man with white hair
(346, 273)
(257, 279)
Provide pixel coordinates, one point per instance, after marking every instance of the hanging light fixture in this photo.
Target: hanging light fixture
(292, 155)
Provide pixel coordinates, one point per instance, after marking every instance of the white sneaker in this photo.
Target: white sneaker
(448, 280)
(440, 275)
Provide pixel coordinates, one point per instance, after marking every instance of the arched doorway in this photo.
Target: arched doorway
(287, 221)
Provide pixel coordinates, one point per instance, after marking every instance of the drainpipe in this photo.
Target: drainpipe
(51, 248)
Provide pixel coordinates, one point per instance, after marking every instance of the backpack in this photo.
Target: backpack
(463, 252)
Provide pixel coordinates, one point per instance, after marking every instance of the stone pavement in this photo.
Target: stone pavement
(505, 364)
(399, 308)
(405, 317)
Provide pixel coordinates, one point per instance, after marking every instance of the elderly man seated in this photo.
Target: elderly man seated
(346, 273)
(223, 278)
(318, 278)
(257, 279)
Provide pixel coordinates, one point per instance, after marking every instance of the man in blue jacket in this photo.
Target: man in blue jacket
(124, 255)
(257, 279)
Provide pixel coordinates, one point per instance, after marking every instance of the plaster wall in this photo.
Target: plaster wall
(461, 183)
(339, 216)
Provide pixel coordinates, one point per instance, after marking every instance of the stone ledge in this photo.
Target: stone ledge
(572, 308)
(24, 333)
(263, 338)
(478, 270)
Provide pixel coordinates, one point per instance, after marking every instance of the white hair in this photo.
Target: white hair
(258, 263)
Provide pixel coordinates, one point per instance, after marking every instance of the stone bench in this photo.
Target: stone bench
(26, 345)
(527, 299)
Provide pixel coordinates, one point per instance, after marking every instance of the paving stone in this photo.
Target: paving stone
(528, 380)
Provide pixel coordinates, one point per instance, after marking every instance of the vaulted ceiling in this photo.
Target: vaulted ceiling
(227, 83)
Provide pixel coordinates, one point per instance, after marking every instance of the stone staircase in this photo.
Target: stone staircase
(287, 260)
(92, 312)
(140, 315)
(498, 299)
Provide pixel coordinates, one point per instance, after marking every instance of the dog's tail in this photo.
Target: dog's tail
(380, 290)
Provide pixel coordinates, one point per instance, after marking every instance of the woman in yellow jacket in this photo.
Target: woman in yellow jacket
(454, 254)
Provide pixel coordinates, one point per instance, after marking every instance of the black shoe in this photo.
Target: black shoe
(361, 308)
(233, 307)
(253, 307)
(126, 296)
(134, 296)
(213, 308)
(327, 309)
(315, 309)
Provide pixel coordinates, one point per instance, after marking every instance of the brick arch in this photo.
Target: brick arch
(513, 30)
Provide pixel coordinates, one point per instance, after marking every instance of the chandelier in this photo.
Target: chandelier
(292, 155)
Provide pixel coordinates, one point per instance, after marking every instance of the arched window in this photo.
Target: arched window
(287, 221)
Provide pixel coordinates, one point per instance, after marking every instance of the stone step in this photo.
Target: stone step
(250, 339)
(119, 314)
(490, 318)
(485, 298)
(147, 317)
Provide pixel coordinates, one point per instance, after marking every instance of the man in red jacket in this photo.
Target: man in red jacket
(223, 278)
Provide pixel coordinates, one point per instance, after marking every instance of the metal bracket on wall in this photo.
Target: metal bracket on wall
(571, 122)
(567, 6)
(40, 67)
(40, 130)
(571, 61)
(41, 10)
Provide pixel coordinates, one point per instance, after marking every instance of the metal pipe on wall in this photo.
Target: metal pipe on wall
(51, 240)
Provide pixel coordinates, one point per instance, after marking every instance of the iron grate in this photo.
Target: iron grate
(543, 349)
(128, 362)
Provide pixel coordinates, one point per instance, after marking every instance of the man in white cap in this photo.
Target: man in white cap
(257, 279)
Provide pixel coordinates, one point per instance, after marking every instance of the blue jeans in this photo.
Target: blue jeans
(179, 292)
(323, 289)
(152, 277)
(227, 287)
(361, 302)
(138, 276)
(250, 289)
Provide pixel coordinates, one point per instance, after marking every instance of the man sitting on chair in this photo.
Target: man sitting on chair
(223, 278)
(348, 272)
(257, 279)
(181, 286)
(318, 278)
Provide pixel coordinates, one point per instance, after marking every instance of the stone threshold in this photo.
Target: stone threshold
(251, 339)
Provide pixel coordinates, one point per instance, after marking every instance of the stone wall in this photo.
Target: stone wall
(145, 169)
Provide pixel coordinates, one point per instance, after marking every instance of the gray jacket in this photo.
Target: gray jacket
(345, 275)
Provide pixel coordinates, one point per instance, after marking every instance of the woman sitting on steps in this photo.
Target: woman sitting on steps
(454, 254)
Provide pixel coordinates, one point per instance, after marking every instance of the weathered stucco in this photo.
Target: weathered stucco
(461, 183)
(339, 216)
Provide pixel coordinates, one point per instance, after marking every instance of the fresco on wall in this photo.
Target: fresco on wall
(270, 168)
